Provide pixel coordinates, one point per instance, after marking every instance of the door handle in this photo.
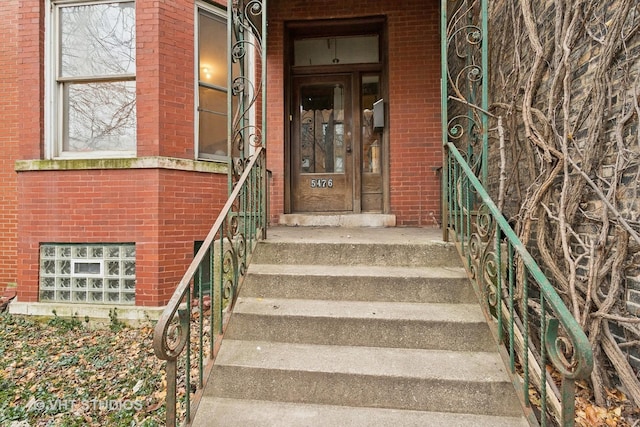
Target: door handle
(348, 143)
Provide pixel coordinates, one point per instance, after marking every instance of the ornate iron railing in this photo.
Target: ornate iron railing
(527, 316)
(190, 328)
(542, 344)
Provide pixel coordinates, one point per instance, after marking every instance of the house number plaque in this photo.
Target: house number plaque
(321, 183)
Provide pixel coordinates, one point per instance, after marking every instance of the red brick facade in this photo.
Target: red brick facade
(163, 210)
(414, 98)
(8, 140)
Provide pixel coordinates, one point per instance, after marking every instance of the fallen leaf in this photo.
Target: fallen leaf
(591, 415)
(155, 406)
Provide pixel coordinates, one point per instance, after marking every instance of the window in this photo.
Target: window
(92, 60)
(212, 77)
(203, 276)
(88, 273)
(336, 50)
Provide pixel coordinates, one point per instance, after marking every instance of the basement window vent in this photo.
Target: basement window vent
(88, 273)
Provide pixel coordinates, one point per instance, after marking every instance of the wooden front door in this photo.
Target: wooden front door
(322, 166)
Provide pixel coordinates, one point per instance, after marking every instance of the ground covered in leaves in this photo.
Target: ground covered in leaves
(620, 412)
(66, 372)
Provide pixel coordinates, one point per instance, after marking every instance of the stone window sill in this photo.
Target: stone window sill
(152, 162)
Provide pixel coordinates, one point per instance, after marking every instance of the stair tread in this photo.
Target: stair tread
(375, 235)
(406, 311)
(216, 411)
(359, 270)
(371, 361)
(320, 337)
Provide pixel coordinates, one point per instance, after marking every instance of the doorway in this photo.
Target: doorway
(337, 161)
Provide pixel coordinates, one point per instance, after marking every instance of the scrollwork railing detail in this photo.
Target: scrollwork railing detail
(190, 328)
(245, 88)
(191, 325)
(527, 315)
(494, 256)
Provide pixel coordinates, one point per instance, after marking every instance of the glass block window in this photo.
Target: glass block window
(88, 273)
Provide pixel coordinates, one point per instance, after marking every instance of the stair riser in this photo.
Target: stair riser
(359, 288)
(220, 412)
(441, 255)
(364, 391)
(362, 332)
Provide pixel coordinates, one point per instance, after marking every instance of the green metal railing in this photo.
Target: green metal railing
(527, 316)
(543, 345)
(190, 329)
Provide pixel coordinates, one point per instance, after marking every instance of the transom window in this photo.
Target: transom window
(337, 50)
(92, 50)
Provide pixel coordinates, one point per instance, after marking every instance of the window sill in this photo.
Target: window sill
(152, 162)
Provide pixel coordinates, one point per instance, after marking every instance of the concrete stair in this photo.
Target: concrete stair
(357, 327)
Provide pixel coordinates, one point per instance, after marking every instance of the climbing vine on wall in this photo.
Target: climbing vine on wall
(565, 80)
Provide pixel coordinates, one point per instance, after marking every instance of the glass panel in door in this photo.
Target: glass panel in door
(321, 145)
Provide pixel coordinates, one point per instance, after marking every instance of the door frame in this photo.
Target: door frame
(335, 28)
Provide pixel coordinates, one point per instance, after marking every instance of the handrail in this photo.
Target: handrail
(503, 280)
(241, 222)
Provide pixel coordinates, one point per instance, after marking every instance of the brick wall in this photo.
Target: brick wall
(165, 84)
(413, 104)
(162, 211)
(9, 124)
(31, 79)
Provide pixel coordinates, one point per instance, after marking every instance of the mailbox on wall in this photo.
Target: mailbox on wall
(378, 114)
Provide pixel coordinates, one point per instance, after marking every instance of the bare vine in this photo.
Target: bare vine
(568, 87)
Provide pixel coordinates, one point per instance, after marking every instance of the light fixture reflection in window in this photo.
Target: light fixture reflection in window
(206, 73)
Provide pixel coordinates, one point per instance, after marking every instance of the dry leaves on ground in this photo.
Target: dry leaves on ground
(619, 413)
(62, 372)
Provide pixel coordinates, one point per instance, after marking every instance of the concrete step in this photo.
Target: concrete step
(359, 283)
(362, 323)
(356, 253)
(422, 380)
(357, 327)
(221, 412)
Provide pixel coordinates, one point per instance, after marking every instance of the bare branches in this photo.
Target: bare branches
(570, 98)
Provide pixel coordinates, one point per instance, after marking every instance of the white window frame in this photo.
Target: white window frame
(54, 97)
(76, 261)
(250, 67)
